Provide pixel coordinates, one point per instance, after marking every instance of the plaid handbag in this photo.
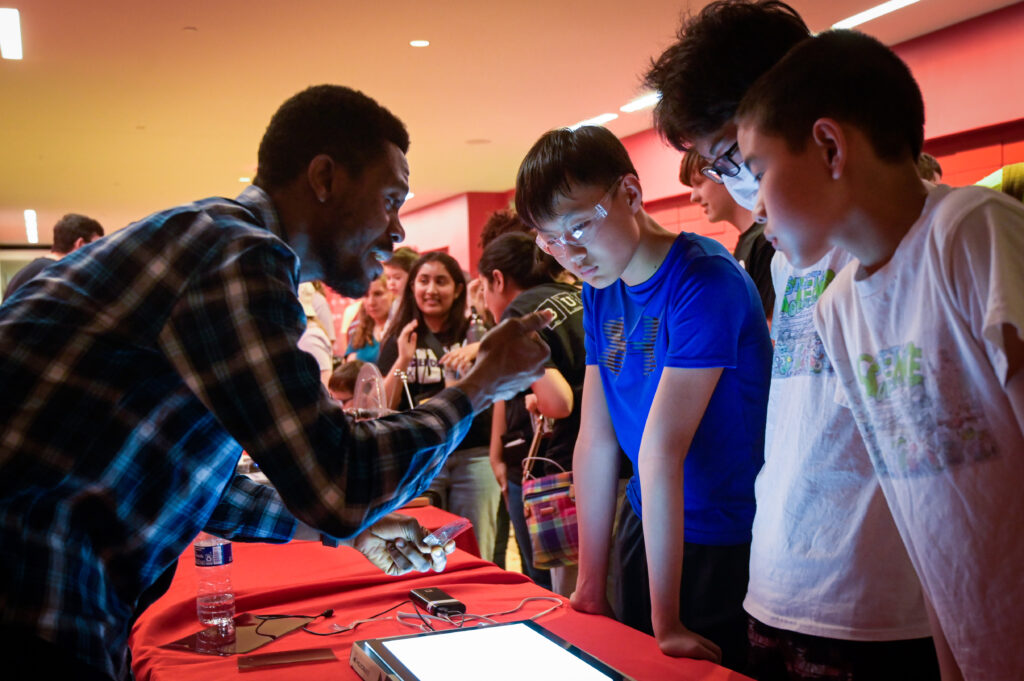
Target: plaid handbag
(549, 503)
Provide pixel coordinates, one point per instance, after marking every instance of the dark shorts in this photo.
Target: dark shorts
(711, 592)
(780, 655)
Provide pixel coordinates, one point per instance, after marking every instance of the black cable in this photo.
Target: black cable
(416, 607)
(267, 618)
(306, 629)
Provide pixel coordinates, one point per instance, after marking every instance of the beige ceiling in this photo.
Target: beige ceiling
(124, 107)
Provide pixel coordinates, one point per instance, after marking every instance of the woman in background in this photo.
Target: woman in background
(367, 331)
(431, 321)
(519, 279)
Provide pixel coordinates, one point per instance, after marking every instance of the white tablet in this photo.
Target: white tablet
(516, 651)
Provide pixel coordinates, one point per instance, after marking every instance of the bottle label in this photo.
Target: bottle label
(211, 556)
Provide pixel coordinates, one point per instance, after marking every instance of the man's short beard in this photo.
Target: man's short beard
(347, 286)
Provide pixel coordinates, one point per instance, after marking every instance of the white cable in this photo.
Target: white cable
(417, 618)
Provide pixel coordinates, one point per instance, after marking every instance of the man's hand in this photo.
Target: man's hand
(511, 357)
(395, 545)
(681, 642)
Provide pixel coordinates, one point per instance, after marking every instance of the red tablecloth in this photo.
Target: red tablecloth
(307, 578)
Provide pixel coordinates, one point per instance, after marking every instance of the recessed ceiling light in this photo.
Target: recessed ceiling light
(10, 34)
(873, 13)
(31, 226)
(247, 180)
(648, 100)
(596, 120)
(419, 43)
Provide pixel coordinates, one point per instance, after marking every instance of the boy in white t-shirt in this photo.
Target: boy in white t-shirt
(832, 593)
(924, 328)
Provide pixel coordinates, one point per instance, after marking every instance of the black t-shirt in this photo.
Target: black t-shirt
(426, 377)
(565, 338)
(756, 252)
(22, 276)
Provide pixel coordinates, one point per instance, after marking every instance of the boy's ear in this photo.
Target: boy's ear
(831, 142)
(634, 193)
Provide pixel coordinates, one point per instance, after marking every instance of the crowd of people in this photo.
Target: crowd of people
(797, 459)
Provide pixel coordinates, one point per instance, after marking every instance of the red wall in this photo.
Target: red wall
(453, 223)
(974, 106)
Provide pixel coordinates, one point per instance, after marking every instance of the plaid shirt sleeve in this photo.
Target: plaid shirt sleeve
(233, 339)
(249, 511)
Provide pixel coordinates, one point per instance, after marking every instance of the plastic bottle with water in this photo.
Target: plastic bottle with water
(215, 597)
(476, 329)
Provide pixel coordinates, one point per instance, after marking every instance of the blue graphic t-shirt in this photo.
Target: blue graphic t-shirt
(699, 310)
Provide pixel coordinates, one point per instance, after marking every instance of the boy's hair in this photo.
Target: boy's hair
(344, 377)
(338, 121)
(847, 76)
(73, 227)
(587, 156)
(404, 257)
(929, 168)
(690, 166)
(501, 222)
(717, 56)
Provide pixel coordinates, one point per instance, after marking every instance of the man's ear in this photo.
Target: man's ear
(79, 242)
(831, 142)
(320, 175)
(634, 192)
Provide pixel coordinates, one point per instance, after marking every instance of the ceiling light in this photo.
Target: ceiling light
(873, 13)
(409, 196)
(596, 120)
(10, 34)
(419, 43)
(246, 180)
(648, 100)
(31, 226)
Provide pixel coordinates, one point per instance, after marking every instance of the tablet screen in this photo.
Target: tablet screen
(517, 651)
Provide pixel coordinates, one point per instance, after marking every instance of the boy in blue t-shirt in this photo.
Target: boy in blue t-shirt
(678, 360)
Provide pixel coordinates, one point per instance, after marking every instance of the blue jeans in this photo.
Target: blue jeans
(518, 517)
(467, 487)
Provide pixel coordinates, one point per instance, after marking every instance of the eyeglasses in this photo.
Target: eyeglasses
(723, 166)
(583, 228)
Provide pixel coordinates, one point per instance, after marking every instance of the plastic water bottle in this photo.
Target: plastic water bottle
(215, 597)
(477, 329)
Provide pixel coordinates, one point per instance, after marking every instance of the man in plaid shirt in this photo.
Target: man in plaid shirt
(134, 371)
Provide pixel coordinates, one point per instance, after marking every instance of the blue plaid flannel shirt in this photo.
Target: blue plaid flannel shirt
(133, 373)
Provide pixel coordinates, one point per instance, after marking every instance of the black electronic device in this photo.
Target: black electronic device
(437, 602)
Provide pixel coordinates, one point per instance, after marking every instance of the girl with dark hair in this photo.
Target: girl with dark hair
(518, 278)
(432, 321)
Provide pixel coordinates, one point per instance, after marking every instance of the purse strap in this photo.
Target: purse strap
(531, 456)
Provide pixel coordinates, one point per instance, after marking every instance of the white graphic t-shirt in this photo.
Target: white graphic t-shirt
(826, 559)
(918, 348)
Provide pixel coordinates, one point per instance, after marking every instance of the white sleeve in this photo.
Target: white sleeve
(983, 259)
